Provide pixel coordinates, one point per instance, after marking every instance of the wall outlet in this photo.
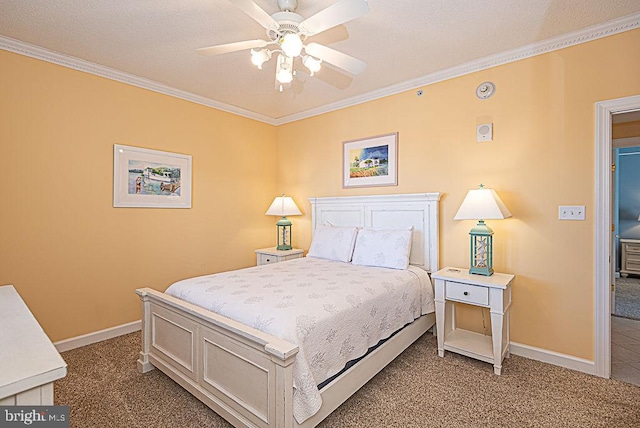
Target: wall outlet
(571, 212)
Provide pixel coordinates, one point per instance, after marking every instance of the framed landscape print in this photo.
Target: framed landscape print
(370, 161)
(150, 178)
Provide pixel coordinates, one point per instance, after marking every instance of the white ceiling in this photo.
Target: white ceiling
(401, 41)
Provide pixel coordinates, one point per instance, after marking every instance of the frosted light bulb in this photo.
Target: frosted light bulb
(291, 45)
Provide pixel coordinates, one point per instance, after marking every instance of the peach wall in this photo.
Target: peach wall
(542, 156)
(74, 258)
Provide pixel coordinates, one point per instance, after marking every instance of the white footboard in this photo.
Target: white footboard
(243, 374)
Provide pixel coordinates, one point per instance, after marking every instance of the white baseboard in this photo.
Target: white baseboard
(97, 336)
(555, 358)
(531, 352)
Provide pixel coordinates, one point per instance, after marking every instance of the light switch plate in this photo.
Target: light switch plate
(571, 212)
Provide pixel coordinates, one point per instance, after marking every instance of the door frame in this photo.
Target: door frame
(602, 256)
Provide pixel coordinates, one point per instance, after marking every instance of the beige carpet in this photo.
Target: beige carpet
(104, 389)
(628, 297)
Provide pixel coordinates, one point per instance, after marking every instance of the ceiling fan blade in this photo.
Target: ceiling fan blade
(336, 14)
(339, 59)
(331, 76)
(333, 35)
(232, 47)
(256, 12)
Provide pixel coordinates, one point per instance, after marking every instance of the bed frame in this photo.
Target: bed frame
(245, 375)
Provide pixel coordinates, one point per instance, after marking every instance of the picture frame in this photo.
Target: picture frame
(146, 178)
(371, 161)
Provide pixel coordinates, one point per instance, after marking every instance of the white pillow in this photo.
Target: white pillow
(389, 248)
(333, 243)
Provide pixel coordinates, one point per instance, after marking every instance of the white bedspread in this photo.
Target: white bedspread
(333, 311)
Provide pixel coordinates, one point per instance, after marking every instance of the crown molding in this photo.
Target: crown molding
(37, 52)
(588, 34)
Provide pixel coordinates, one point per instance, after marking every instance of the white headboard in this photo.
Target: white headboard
(419, 210)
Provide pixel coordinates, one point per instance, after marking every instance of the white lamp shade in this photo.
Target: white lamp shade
(312, 64)
(482, 204)
(284, 69)
(260, 57)
(283, 206)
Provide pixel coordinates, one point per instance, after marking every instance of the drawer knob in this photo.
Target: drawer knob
(466, 293)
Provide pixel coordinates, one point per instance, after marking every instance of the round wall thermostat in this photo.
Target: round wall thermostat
(485, 90)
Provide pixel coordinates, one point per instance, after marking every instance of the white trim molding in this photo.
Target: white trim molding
(551, 357)
(97, 336)
(602, 233)
(584, 35)
(588, 34)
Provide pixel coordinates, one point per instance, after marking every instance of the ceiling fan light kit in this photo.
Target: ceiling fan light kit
(288, 31)
(312, 64)
(260, 57)
(284, 69)
(291, 45)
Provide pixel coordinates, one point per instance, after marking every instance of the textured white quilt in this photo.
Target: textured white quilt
(333, 311)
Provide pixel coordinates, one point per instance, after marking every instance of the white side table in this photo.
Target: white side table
(494, 292)
(29, 363)
(271, 255)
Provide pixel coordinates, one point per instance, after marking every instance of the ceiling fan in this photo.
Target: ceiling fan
(287, 33)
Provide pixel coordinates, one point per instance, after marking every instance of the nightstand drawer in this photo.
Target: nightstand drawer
(267, 256)
(264, 259)
(633, 257)
(466, 293)
(635, 248)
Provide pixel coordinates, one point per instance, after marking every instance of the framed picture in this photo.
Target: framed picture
(370, 161)
(150, 178)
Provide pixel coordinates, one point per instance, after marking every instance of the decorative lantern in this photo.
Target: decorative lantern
(481, 249)
(283, 206)
(283, 236)
(481, 204)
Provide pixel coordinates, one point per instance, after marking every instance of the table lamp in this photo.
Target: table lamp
(283, 206)
(482, 204)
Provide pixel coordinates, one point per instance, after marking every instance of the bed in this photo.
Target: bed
(245, 373)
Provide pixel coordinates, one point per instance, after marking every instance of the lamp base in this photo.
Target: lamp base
(481, 271)
(481, 262)
(283, 227)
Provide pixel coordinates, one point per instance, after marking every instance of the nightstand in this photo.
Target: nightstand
(271, 255)
(453, 285)
(630, 257)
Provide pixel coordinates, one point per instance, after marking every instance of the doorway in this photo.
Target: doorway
(604, 250)
(625, 296)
